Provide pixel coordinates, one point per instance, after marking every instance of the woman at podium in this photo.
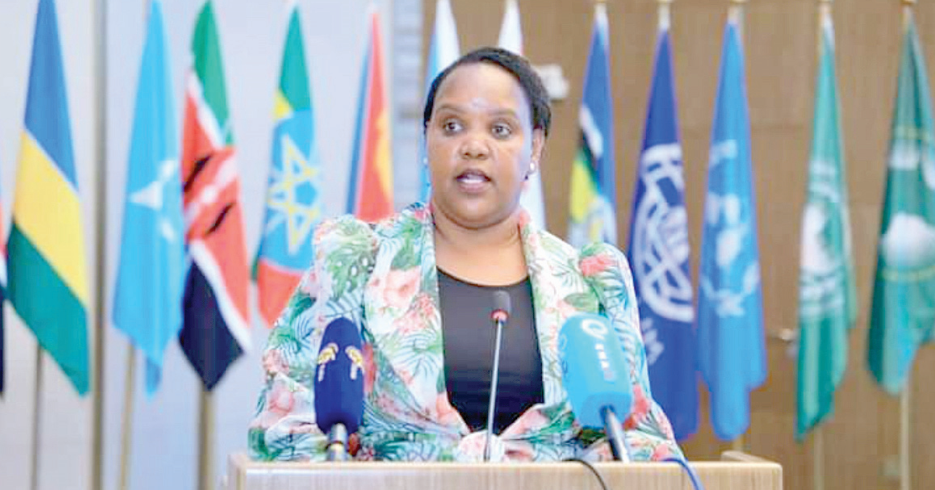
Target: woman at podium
(419, 284)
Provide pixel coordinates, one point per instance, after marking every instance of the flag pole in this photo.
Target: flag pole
(37, 417)
(818, 438)
(129, 382)
(205, 440)
(735, 15)
(905, 468)
(665, 14)
(126, 424)
(100, 205)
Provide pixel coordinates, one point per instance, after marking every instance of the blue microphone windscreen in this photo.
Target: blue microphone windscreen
(339, 377)
(594, 371)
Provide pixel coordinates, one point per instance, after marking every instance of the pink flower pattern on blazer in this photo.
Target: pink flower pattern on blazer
(383, 278)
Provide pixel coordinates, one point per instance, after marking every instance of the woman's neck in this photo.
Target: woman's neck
(491, 255)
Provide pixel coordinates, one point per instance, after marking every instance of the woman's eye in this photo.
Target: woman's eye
(451, 126)
(501, 130)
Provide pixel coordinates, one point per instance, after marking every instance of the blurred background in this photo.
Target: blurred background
(861, 439)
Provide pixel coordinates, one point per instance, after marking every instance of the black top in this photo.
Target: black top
(469, 337)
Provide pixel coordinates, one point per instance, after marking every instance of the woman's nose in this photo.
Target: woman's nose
(475, 147)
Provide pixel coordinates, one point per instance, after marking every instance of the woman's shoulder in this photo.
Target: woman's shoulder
(593, 254)
(348, 231)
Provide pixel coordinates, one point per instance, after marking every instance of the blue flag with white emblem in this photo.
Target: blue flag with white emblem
(151, 274)
(658, 251)
(731, 354)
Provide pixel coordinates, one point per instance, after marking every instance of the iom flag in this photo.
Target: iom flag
(658, 253)
(731, 347)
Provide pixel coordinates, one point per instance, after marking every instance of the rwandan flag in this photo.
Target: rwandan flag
(46, 246)
(151, 275)
(731, 355)
(593, 188)
(293, 198)
(443, 51)
(216, 322)
(370, 195)
(659, 250)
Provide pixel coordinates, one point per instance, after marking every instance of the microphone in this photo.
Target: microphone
(594, 373)
(499, 315)
(339, 386)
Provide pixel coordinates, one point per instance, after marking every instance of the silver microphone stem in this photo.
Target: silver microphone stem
(495, 375)
(614, 430)
(337, 443)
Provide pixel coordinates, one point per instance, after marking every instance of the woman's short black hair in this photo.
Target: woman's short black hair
(517, 66)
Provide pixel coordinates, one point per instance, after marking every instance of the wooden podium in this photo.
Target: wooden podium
(735, 471)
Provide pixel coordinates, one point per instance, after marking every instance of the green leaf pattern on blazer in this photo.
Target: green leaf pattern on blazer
(383, 278)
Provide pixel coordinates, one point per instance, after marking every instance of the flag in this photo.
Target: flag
(443, 51)
(827, 298)
(293, 197)
(731, 346)
(46, 244)
(370, 196)
(903, 311)
(215, 327)
(593, 188)
(658, 252)
(3, 284)
(151, 274)
(511, 39)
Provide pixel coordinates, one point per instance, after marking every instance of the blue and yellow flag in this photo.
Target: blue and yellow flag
(151, 274)
(658, 253)
(293, 197)
(731, 346)
(903, 313)
(46, 245)
(593, 188)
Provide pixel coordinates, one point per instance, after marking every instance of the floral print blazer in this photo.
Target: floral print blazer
(383, 278)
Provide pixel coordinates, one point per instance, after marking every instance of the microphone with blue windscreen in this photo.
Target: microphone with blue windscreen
(595, 376)
(339, 386)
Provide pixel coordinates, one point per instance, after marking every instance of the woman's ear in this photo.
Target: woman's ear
(538, 146)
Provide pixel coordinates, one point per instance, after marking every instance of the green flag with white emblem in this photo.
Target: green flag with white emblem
(903, 311)
(827, 299)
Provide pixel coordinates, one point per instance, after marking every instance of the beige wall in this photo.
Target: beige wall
(780, 42)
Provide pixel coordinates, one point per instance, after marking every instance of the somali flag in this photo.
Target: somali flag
(731, 347)
(151, 274)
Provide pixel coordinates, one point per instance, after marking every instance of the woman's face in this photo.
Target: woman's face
(480, 145)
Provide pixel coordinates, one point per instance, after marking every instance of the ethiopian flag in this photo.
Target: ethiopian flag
(293, 197)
